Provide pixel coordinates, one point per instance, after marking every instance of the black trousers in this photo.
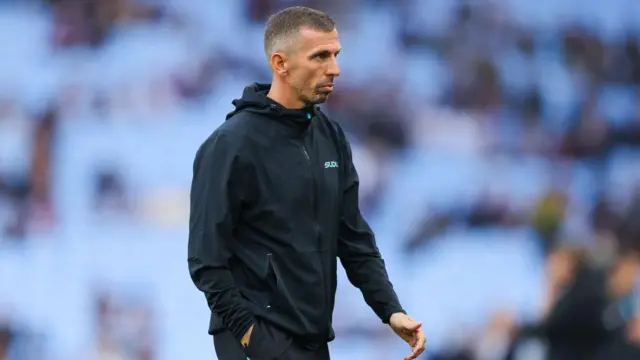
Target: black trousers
(266, 343)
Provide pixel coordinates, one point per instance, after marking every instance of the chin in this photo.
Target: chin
(320, 99)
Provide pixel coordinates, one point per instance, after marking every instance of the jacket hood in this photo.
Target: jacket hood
(254, 99)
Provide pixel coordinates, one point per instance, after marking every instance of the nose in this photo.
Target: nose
(333, 69)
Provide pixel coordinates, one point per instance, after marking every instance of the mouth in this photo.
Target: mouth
(327, 87)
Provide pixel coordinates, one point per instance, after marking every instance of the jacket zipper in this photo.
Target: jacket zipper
(315, 218)
(314, 204)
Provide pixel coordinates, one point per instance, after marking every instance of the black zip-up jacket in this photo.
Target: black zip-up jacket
(274, 203)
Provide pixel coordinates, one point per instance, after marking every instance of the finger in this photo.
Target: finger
(413, 341)
(412, 325)
(415, 337)
(420, 344)
(413, 355)
(415, 352)
(411, 335)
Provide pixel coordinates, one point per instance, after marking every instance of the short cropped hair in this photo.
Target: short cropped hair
(282, 26)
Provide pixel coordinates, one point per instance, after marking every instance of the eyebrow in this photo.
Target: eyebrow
(320, 52)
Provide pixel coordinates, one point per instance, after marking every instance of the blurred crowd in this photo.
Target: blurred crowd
(478, 127)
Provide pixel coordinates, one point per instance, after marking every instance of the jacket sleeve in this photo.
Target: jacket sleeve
(216, 197)
(357, 248)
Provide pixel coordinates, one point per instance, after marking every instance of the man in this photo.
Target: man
(621, 317)
(274, 203)
(570, 324)
(589, 315)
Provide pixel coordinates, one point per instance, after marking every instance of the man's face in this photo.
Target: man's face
(313, 66)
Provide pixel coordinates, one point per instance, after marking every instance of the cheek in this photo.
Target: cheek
(305, 77)
(297, 75)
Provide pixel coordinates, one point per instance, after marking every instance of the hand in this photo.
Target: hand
(410, 331)
(246, 337)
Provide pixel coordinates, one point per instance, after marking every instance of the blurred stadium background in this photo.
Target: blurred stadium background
(486, 133)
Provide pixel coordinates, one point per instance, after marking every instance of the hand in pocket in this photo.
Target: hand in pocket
(265, 342)
(246, 338)
(252, 345)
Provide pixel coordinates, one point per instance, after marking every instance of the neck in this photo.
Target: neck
(284, 95)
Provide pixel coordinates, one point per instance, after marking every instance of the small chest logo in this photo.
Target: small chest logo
(330, 164)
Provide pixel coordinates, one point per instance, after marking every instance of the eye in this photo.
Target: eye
(322, 55)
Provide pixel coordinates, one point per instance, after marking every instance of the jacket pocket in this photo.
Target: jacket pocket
(272, 274)
(262, 295)
(300, 283)
(266, 343)
(254, 341)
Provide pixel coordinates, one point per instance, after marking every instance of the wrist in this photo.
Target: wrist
(394, 314)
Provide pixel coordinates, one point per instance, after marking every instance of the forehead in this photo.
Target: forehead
(310, 40)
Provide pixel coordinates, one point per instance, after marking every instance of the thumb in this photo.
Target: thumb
(412, 325)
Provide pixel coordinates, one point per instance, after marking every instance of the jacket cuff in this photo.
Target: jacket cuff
(241, 326)
(390, 311)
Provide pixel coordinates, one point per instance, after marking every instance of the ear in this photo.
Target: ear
(279, 63)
